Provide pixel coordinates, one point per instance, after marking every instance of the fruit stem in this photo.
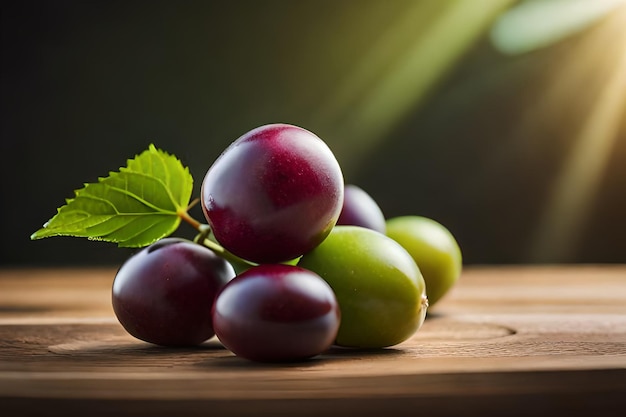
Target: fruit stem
(219, 249)
(194, 202)
(183, 214)
(203, 239)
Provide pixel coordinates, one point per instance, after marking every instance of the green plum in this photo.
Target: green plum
(434, 249)
(380, 289)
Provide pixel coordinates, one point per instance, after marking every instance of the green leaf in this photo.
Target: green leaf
(133, 207)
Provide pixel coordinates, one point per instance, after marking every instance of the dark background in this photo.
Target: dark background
(87, 84)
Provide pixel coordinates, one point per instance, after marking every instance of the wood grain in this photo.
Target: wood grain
(505, 341)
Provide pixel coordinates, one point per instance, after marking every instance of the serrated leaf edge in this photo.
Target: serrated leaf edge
(82, 232)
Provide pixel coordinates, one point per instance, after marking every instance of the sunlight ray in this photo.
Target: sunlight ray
(386, 98)
(558, 231)
(538, 23)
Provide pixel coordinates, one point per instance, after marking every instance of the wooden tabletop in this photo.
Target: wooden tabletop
(506, 341)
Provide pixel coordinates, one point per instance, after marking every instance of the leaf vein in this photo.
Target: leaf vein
(141, 200)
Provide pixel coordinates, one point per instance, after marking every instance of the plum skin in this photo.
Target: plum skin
(360, 209)
(276, 313)
(379, 288)
(274, 194)
(434, 249)
(164, 293)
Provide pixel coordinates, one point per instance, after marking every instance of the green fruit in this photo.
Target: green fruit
(434, 250)
(380, 290)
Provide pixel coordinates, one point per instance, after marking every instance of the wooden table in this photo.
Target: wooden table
(506, 341)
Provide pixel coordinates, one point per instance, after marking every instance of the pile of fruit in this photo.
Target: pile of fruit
(290, 262)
